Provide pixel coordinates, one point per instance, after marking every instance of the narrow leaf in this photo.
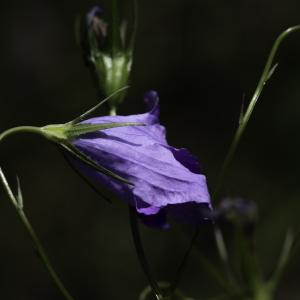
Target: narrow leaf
(86, 179)
(84, 115)
(84, 158)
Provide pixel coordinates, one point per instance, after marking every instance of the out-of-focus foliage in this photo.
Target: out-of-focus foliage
(202, 56)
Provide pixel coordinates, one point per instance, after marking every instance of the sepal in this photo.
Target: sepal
(77, 154)
(62, 133)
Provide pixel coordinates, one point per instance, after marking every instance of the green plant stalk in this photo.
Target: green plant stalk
(44, 132)
(286, 251)
(141, 254)
(180, 268)
(223, 254)
(19, 129)
(266, 74)
(39, 248)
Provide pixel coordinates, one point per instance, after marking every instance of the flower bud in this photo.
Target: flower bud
(107, 53)
(237, 211)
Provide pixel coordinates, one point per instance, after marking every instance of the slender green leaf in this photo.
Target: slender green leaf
(84, 158)
(87, 113)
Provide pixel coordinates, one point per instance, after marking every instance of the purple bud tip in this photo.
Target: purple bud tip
(96, 11)
(151, 94)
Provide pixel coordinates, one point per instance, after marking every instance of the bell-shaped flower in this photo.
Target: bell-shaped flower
(160, 180)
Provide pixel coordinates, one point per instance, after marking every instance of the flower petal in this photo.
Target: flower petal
(164, 177)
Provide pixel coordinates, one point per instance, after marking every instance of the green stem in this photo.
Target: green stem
(40, 250)
(182, 265)
(222, 250)
(266, 74)
(19, 129)
(22, 215)
(283, 259)
(141, 253)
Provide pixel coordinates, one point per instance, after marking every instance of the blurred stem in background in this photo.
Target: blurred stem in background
(244, 118)
(262, 292)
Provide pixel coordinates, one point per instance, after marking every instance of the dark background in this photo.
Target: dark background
(202, 57)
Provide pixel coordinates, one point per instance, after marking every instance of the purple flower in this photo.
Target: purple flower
(166, 181)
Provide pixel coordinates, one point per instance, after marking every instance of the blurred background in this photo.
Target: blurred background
(203, 57)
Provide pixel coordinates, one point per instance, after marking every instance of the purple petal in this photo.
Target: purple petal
(187, 159)
(164, 177)
(158, 220)
(96, 11)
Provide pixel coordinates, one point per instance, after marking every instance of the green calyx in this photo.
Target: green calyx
(64, 134)
(111, 44)
(67, 132)
(113, 73)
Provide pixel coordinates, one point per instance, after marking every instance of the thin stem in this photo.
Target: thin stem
(244, 119)
(222, 250)
(226, 283)
(182, 265)
(284, 258)
(141, 253)
(84, 115)
(266, 74)
(35, 239)
(19, 129)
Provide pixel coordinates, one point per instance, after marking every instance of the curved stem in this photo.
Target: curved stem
(266, 74)
(141, 253)
(23, 217)
(43, 255)
(18, 205)
(19, 129)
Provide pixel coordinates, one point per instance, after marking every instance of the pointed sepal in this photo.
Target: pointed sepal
(73, 151)
(62, 133)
